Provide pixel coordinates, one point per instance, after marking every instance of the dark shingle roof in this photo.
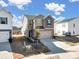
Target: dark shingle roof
(49, 16)
(40, 16)
(32, 17)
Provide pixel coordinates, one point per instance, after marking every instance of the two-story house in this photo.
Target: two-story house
(45, 26)
(67, 27)
(27, 25)
(5, 25)
(43, 23)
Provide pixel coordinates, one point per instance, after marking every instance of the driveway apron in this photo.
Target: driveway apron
(5, 51)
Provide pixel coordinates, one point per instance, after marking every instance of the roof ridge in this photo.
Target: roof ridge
(5, 9)
(67, 20)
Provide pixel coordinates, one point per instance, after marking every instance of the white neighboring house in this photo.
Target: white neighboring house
(69, 26)
(5, 25)
(24, 29)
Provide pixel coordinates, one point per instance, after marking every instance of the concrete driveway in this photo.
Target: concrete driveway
(5, 51)
(52, 47)
(60, 48)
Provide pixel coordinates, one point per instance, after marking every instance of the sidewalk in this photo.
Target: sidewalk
(5, 51)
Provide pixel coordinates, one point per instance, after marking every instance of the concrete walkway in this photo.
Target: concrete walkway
(5, 51)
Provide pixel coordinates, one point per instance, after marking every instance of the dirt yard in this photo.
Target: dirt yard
(73, 39)
(20, 51)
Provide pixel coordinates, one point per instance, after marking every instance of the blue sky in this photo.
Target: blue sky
(59, 9)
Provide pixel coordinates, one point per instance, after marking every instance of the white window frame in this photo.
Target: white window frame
(3, 20)
(48, 22)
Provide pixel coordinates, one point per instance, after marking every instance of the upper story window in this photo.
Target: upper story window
(3, 20)
(48, 22)
(73, 25)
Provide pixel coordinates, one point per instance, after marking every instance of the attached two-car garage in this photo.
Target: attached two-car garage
(5, 25)
(46, 33)
(4, 36)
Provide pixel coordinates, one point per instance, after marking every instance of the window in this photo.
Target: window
(3, 20)
(48, 22)
(73, 32)
(73, 25)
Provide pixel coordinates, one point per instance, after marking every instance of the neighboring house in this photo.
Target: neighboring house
(44, 24)
(5, 25)
(16, 31)
(68, 26)
(27, 24)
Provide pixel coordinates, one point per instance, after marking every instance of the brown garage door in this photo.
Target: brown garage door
(45, 34)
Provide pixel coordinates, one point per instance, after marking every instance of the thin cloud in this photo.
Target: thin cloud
(3, 4)
(58, 18)
(19, 3)
(74, 0)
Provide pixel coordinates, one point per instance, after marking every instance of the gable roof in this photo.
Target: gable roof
(67, 20)
(49, 16)
(4, 9)
(39, 16)
(32, 17)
